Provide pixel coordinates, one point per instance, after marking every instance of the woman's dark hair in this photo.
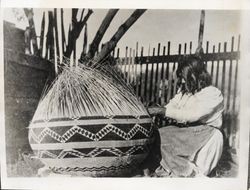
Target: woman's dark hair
(197, 76)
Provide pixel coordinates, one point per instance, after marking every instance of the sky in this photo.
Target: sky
(153, 27)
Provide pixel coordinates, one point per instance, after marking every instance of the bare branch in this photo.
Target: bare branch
(100, 33)
(110, 45)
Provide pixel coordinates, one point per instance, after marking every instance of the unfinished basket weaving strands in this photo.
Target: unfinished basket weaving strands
(90, 123)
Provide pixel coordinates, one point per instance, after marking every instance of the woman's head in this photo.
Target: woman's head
(192, 74)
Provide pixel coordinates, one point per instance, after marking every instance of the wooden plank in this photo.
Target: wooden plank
(185, 48)
(223, 71)
(236, 79)
(146, 77)
(207, 49)
(151, 88)
(56, 33)
(29, 14)
(170, 84)
(126, 64)
(201, 29)
(50, 38)
(163, 78)
(190, 48)
(206, 57)
(217, 69)
(42, 35)
(18, 91)
(118, 61)
(230, 77)
(157, 83)
(129, 65)
(212, 67)
(137, 73)
(178, 56)
(167, 75)
(27, 60)
(174, 77)
(63, 33)
(141, 79)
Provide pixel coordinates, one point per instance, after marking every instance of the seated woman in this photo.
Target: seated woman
(193, 146)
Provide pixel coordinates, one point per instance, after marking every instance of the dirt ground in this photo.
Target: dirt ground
(27, 166)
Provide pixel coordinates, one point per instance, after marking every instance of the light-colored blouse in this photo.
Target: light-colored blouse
(205, 106)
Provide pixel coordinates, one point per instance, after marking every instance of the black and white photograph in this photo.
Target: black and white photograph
(109, 93)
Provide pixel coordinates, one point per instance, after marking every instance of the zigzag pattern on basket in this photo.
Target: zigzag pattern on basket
(93, 153)
(95, 137)
(94, 169)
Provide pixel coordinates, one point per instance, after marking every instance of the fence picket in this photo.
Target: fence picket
(218, 68)
(207, 49)
(156, 83)
(236, 77)
(174, 77)
(190, 48)
(212, 67)
(151, 89)
(223, 72)
(163, 78)
(141, 92)
(230, 77)
(146, 78)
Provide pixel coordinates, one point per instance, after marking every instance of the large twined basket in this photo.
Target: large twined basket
(71, 137)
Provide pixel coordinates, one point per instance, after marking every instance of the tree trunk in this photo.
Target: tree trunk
(29, 14)
(100, 33)
(110, 45)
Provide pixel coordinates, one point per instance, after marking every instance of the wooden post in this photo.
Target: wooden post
(212, 67)
(201, 32)
(29, 14)
(110, 45)
(146, 78)
(223, 72)
(100, 32)
(50, 40)
(167, 75)
(141, 79)
(42, 35)
(56, 33)
(236, 78)
(156, 83)
(163, 78)
(63, 33)
(126, 63)
(207, 49)
(230, 78)
(151, 89)
(190, 48)
(218, 68)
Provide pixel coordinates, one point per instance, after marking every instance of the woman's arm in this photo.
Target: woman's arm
(200, 107)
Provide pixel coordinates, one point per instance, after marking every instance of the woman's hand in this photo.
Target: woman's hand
(153, 111)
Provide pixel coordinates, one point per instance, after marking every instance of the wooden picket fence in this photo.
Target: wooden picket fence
(153, 79)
